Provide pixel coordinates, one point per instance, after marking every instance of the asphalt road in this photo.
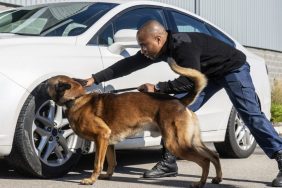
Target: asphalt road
(256, 171)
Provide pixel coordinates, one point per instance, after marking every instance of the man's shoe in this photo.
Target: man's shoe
(277, 182)
(164, 168)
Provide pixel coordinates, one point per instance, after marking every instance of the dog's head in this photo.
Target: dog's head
(62, 89)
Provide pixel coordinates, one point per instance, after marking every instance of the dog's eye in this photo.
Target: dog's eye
(60, 87)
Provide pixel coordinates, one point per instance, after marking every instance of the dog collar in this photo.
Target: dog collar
(70, 103)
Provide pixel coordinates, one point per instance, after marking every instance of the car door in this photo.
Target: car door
(214, 113)
(132, 19)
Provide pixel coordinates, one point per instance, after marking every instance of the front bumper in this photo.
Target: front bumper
(12, 97)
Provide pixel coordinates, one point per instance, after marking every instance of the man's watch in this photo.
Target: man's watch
(157, 88)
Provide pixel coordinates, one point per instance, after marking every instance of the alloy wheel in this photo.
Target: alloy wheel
(53, 140)
(243, 135)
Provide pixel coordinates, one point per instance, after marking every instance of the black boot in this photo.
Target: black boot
(277, 182)
(164, 168)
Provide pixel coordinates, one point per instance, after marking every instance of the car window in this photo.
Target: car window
(132, 19)
(80, 21)
(58, 19)
(185, 23)
(217, 34)
(107, 36)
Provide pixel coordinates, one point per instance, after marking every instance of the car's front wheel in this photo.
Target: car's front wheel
(44, 145)
(239, 142)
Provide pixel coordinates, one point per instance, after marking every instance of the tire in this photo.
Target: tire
(41, 148)
(239, 142)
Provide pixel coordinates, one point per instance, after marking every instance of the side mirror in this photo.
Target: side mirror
(125, 38)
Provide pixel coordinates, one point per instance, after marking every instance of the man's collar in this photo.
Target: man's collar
(168, 46)
(169, 41)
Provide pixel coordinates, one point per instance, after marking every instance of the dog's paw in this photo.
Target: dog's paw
(104, 176)
(216, 180)
(87, 181)
(197, 185)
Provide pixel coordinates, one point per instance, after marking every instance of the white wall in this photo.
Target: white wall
(256, 23)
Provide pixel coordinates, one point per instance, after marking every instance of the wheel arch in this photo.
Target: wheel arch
(33, 87)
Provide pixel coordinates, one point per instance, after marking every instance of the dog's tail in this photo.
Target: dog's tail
(197, 77)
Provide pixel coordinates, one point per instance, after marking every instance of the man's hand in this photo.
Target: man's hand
(147, 88)
(85, 83)
(90, 82)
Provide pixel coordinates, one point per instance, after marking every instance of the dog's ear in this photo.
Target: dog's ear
(61, 87)
(80, 81)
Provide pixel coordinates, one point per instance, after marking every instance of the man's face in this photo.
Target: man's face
(150, 45)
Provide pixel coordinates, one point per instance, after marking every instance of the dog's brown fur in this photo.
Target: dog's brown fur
(109, 118)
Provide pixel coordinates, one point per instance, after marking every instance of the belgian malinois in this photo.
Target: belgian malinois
(108, 118)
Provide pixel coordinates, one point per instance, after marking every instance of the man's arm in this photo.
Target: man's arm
(186, 56)
(123, 68)
(179, 85)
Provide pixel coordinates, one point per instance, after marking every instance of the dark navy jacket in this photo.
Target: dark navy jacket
(199, 51)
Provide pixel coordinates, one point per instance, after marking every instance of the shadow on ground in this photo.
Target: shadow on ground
(125, 158)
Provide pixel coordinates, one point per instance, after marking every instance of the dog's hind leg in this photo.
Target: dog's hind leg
(205, 164)
(190, 154)
(101, 138)
(182, 137)
(214, 158)
(189, 146)
(111, 160)
(195, 143)
(200, 155)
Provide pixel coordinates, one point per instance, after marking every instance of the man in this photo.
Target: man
(224, 66)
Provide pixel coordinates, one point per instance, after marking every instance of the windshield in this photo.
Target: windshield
(58, 19)
(5, 12)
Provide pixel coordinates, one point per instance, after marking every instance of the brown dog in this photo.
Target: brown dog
(109, 118)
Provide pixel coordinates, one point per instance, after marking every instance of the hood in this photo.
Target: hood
(13, 39)
(29, 60)
(10, 35)
(32, 45)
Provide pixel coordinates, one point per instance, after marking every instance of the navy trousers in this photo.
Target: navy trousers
(240, 89)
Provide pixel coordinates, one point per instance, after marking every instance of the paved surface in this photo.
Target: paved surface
(256, 171)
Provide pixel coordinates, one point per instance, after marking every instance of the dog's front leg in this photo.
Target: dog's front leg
(112, 163)
(101, 138)
(101, 148)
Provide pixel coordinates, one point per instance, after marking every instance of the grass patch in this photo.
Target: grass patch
(276, 101)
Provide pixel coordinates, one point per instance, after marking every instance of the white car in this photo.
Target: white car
(81, 38)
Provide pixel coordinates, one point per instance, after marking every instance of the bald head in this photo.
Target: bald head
(153, 28)
(151, 38)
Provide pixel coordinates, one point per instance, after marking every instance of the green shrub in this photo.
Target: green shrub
(276, 112)
(276, 101)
